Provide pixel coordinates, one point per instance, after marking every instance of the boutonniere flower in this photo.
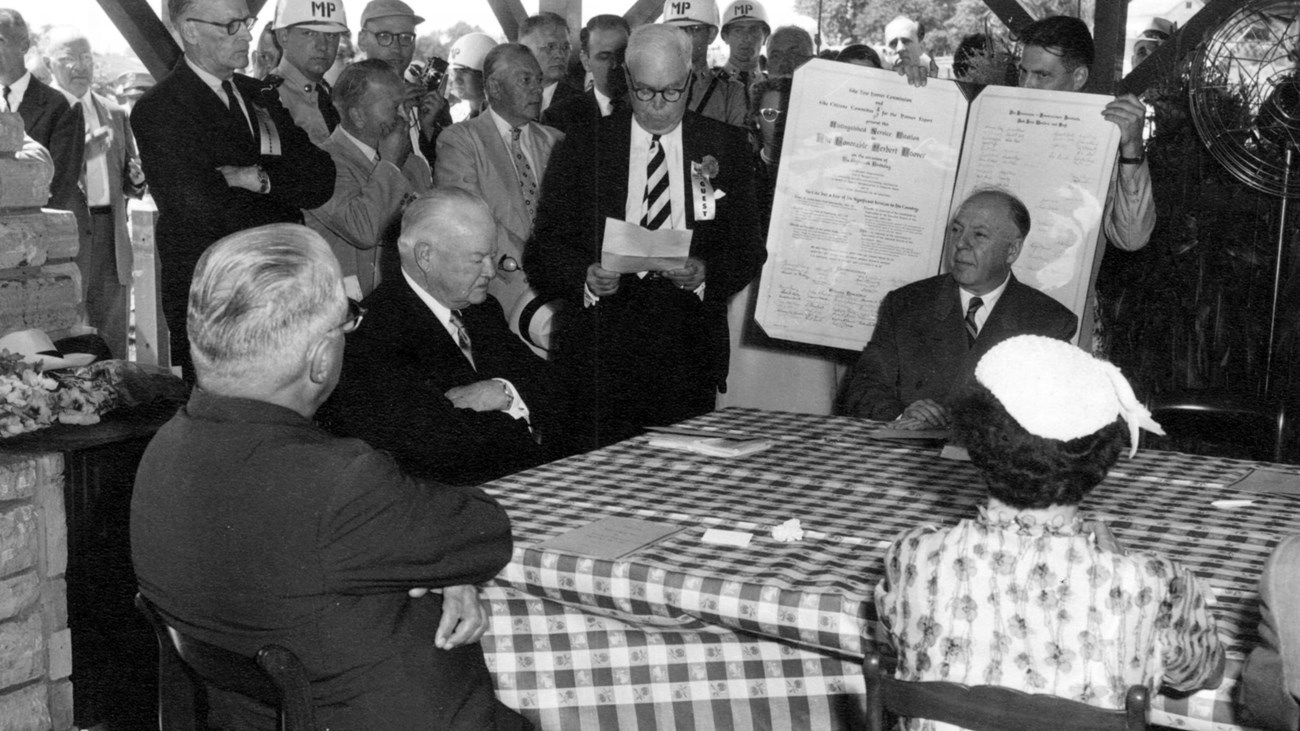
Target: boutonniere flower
(708, 167)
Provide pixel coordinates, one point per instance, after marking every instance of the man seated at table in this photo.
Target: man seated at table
(1270, 682)
(436, 378)
(1027, 594)
(930, 334)
(250, 525)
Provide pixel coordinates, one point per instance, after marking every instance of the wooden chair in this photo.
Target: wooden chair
(274, 678)
(991, 707)
(1221, 423)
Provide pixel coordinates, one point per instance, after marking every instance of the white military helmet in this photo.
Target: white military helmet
(470, 49)
(691, 12)
(740, 11)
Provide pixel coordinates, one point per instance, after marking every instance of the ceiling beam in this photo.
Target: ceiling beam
(643, 11)
(1169, 56)
(145, 33)
(510, 13)
(1012, 14)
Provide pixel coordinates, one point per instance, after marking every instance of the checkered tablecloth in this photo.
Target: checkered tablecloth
(684, 634)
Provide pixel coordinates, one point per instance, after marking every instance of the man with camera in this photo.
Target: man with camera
(308, 32)
(388, 33)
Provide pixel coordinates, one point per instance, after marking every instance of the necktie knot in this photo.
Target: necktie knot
(514, 133)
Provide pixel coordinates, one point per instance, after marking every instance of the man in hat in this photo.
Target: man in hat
(501, 156)
(466, 61)
(388, 33)
(1156, 33)
(930, 334)
(220, 154)
(713, 92)
(647, 348)
(546, 35)
(745, 30)
(110, 173)
(378, 173)
(308, 31)
(903, 37)
(603, 39)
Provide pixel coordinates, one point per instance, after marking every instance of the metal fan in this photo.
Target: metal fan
(1244, 92)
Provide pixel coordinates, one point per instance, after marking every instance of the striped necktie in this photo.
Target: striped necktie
(462, 338)
(972, 330)
(658, 202)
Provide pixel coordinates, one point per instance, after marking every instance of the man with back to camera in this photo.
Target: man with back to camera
(603, 41)
(930, 334)
(437, 379)
(220, 155)
(250, 525)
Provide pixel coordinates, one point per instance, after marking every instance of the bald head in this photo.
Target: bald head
(448, 246)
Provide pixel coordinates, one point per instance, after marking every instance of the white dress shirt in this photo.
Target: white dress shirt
(605, 103)
(636, 175)
(518, 409)
(97, 193)
(17, 90)
(990, 301)
(526, 142)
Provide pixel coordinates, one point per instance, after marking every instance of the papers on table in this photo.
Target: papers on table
(610, 538)
(1270, 481)
(712, 446)
(628, 248)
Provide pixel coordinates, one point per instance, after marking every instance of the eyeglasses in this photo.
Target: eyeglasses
(646, 94)
(232, 26)
(508, 263)
(553, 48)
(356, 313)
(384, 38)
(769, 114)
(85, 59)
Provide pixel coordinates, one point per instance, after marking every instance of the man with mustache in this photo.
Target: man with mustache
(930, 334)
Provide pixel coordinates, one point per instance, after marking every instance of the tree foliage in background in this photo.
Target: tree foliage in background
(438, 42)
(946, 21)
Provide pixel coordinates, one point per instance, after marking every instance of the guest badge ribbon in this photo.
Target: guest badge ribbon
(706, 206)
(268, 134)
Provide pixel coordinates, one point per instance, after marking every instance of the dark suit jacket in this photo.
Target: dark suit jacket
(919, 350)
(184, 133)
(650, 343)
(53, 122)
(401, 361)
(250, 525)
(565, 91)
(573, 111)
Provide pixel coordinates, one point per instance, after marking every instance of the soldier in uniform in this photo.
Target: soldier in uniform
(309, 34)
(713, 92)
(745, 30)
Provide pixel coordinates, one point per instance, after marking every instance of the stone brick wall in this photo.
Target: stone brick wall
(35, 644)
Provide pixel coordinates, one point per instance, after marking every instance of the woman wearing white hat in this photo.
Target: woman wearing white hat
(1027, 594)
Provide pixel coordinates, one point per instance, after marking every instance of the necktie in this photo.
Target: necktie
(5, 98)
(232, 101)
(744, 78)
(527, 181)
(327, 109)
(658, 203)
(972, 330)
(462, 337)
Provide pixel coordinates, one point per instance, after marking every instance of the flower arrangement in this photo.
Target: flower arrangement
(31, 399)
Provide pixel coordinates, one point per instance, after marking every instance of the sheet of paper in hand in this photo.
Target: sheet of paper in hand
(610, 538)
(628, 248)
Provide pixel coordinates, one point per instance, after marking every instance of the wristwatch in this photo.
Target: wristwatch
(263, 180)
(1133, 160)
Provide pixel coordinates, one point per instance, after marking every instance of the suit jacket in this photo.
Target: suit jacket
(53, 122)
(399, 364)
(1270, 688)
(919, 348)
(649, 342)
(185, 132)
(565, 91)
(120, 153)
(472, 156)
(364, 215)
(573, 111)
(249, 525)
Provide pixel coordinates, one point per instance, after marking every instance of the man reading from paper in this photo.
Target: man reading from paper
(930, 334)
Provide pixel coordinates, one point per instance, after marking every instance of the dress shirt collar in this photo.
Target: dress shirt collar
(439, 310)
(503, 127)
(371, 153)
(18, 90)
(990, 301)
(213, 82)
(89, 111)
(605, 103)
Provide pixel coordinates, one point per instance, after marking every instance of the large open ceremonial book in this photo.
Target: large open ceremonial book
(872, 168)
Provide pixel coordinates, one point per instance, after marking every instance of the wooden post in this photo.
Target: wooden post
(1109, 19)
(152, 345)
(643, 11)
(510, 13)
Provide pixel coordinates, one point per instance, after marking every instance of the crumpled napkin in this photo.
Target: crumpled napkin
(788, 532)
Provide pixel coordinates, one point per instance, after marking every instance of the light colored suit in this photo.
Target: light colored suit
(472, 156)
(120, 153)
(364, 213)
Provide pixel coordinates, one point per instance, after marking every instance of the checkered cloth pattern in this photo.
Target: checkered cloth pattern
(810, 600)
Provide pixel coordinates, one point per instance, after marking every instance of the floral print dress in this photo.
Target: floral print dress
(1003, 600)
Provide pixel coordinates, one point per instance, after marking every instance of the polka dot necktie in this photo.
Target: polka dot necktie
(527, 181)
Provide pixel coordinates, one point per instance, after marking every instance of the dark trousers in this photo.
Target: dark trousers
(107, 300)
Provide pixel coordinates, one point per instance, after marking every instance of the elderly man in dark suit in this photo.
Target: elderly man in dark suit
(647, 348)
(220, 151)
(436, 378)
(501, 155)
(110, 173)
(603, 41)
(47, 115)
(251, 525)
(930, 334)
